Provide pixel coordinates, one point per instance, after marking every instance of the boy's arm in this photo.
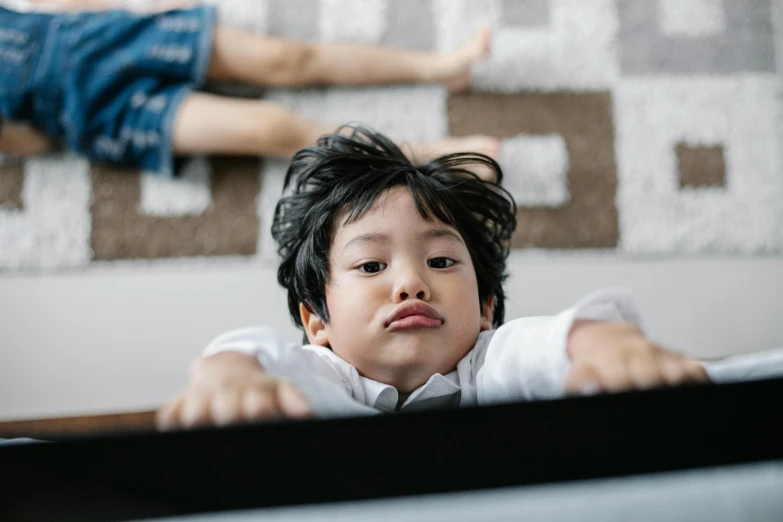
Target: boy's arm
(597, 345)
(20, 139)
(752, 366)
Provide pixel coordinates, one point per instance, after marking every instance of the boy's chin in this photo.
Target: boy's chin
(414, 354)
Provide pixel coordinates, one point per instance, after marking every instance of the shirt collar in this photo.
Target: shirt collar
(438, 391)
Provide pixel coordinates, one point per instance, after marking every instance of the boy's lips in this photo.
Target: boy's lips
(414, 315)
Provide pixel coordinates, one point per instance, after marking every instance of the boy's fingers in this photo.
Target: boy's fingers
(613, 375)
(195, 409)
(292, 402)
(259, 403)
(644, 371)
(167, 417)
(226, 406)
(265, 399)
(673, 369)
(696, 372)
(582, 380)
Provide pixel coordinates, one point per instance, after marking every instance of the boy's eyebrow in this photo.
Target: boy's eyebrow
(433, 233)
(367, 238)
(442, 233)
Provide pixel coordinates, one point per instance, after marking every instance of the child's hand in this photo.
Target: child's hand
(228, 388)
(614, 357)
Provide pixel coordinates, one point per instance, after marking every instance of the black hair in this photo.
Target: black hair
(342, 177)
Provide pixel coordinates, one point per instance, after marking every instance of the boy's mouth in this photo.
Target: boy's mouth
(414, 315)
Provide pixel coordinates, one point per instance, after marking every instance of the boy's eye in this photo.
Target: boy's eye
(372, 267)
(440, 262)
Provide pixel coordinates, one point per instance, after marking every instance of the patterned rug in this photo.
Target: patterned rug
(634, 127)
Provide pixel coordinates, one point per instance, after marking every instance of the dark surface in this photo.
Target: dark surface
(115, 477)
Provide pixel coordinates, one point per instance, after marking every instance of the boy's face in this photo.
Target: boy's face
(403, 299)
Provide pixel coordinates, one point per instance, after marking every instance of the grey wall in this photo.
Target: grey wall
(120, 338)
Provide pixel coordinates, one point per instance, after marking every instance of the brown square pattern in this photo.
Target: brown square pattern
(229, 227)
(584, 120)
(11, 183)
(701, 166)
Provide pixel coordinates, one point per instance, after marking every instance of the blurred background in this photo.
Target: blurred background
(641, 140)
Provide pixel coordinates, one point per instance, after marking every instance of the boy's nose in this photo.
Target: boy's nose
(410, 285)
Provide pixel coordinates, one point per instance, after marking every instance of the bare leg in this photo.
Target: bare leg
(107, 5)
(239, 55)
(242, 56)
(74, 5)
(212, 124)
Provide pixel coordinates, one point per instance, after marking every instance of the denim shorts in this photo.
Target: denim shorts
(108, 84)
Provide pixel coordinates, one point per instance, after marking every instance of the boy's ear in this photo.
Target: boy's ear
(486, 314)
(314, 326)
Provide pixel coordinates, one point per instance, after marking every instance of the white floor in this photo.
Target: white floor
(120, 338)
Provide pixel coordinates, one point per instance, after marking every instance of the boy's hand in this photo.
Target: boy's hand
(614, 357)
(228, 388)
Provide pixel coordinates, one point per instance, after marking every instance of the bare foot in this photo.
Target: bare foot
(487, 145)
(476, 143)
(456, 67)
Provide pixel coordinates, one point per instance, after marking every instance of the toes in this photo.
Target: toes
(492, 148)
(481, 144)
(485, 40)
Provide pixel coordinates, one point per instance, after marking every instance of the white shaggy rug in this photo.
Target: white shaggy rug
(639, 127)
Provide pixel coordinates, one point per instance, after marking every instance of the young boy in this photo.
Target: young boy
(395, 273)
(121, 86)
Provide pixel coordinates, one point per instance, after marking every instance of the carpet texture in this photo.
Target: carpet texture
(638, 127)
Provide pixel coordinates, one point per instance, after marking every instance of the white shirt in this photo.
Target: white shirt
(524, 359)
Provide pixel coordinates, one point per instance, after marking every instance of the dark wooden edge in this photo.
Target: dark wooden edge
(153, 475)
(69, 427)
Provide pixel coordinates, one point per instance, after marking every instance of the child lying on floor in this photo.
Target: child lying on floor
(121, 87)
(395, 274)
